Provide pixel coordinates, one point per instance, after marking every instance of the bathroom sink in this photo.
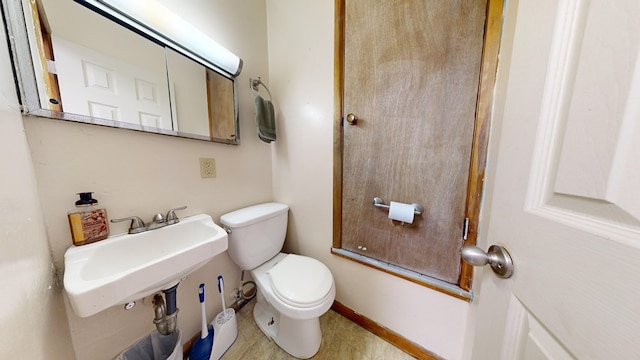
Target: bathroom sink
(128, 267)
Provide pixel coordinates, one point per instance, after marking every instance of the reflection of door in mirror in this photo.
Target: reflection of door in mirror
(98, 85)
(104, 71)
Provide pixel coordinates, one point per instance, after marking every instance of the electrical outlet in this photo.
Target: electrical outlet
(207, 168)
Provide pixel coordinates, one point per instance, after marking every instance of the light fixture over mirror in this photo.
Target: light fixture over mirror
(57, 61)
(154, 20)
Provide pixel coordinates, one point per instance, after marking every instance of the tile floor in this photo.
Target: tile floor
(341, 340)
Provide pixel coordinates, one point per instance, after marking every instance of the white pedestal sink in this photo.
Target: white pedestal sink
(128, 267)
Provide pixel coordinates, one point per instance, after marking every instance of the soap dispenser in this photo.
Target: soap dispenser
(88, 222)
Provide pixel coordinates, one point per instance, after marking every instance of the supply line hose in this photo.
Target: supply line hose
(243, 283)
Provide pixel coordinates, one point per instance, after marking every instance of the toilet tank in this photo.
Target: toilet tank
(257, 233)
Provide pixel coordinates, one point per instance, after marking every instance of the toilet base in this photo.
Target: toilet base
(299, 338)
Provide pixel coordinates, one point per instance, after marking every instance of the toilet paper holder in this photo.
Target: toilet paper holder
(379, 203)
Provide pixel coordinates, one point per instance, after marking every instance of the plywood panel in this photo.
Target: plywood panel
(411, 76)
(221, 106)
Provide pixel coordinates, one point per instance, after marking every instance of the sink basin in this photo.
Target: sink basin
(128, 267)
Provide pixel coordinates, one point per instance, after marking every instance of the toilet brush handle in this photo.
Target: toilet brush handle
(221, 290)
(204, 331)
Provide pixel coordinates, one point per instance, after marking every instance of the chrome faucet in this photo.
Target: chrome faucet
(158, 221)
(165, 323)
(137, 225)
(172, 218)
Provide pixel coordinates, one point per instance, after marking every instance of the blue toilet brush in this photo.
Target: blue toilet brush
(201, 349)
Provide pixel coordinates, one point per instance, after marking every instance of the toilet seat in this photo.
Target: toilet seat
(301, 281)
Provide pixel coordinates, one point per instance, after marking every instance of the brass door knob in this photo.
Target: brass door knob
(352, 119)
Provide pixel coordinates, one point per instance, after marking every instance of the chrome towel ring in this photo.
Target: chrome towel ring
(254, 87)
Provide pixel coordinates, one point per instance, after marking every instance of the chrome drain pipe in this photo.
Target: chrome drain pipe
(166, 316)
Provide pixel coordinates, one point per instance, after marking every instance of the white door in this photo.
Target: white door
(96, 84)
(563, 195)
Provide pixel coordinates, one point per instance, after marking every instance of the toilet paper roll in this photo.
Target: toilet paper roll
(401, 212)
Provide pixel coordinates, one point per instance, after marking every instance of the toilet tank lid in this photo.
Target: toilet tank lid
(253, 214)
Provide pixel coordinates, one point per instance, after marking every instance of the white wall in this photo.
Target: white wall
(301, 80)
(31, 310)
(135, 173)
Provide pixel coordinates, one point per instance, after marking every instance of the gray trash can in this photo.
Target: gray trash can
(155, 346)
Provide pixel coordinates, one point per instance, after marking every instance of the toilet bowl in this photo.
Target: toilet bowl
(293, 290)
(288, 308)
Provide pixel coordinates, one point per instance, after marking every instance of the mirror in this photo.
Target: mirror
(93, 70)
(201, 93)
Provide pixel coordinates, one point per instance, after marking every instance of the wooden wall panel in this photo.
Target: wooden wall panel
(411, 73)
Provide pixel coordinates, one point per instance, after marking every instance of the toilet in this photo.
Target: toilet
(293, 290)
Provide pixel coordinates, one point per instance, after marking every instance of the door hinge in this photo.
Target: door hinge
(51, 67)
(465, 229)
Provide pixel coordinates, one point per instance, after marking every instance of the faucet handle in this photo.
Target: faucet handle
(137, 225)
(172, 218)
(158, 218)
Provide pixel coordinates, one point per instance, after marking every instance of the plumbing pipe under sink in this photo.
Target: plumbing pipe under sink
(166, 317)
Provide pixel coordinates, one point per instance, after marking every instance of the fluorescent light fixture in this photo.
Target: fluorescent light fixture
(155, 21)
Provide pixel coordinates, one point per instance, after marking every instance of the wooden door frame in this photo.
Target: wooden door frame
(489, 65)
(46, 56)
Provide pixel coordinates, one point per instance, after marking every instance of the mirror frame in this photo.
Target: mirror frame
(27, 88)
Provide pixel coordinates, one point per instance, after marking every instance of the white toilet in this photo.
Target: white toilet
(293, 290)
